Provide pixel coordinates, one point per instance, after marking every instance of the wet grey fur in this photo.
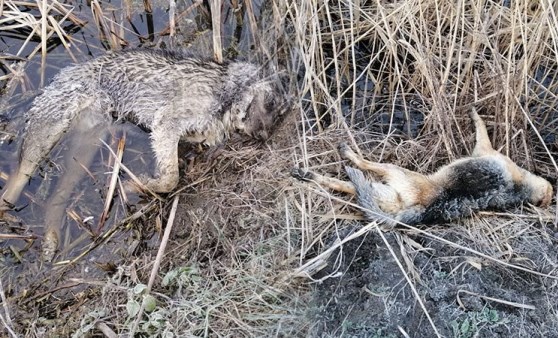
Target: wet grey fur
(175, 96)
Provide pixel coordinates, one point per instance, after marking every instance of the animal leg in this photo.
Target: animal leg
(483, 145)
(541, 189)
(377, 198)
(401, 188)
(329, 182)
(51, 115)
(165, 146)
(384, 171)
(16, 183)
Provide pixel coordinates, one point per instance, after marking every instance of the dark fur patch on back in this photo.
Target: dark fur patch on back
(478, 184)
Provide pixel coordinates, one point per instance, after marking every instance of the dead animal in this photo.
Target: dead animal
(176, 96)
(487, 180)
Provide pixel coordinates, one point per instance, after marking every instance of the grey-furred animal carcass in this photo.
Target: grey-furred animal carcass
(174, 95)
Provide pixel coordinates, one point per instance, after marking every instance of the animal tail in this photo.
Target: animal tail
(365, 197)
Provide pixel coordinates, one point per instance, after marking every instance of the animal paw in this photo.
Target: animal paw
(131, 187)
(135, 187)
(302, 175)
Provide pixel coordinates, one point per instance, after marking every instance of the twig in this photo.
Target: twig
(172, 14)
(107, 235)
(13, 236)
(157, 263)
(216, 27)
(130, 173)
(252, 20)
(107, 331)
(8, 327)
(5, 305)
(113, 181)
(182, 14)
(501, 301)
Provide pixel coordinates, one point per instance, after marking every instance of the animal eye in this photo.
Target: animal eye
(271, 104)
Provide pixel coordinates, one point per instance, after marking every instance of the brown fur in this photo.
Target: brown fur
(485, 180)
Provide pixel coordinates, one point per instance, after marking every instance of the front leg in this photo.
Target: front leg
(165, 146)
(383, 171)
(329, 182)
(483, 146)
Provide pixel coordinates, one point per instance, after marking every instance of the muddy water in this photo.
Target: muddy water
(88, 187)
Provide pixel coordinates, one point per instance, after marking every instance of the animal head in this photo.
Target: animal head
(257, 112)
(257, 104)
(541, 190)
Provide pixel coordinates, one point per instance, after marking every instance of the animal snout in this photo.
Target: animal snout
(547, 198)
(262, 135)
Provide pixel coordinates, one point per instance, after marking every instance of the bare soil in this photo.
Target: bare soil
(465, 296)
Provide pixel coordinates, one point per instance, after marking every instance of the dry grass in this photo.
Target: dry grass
(396, 79)
(434, 50)
(369, 62)
(18, 20)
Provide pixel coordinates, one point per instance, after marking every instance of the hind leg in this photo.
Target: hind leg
(483, 146)
(50, 117)
(16, 183)
(411, 188)
(373, 195)
(38, 141)
(386, 197)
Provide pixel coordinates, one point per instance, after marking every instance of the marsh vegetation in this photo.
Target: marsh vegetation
(252, 252)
